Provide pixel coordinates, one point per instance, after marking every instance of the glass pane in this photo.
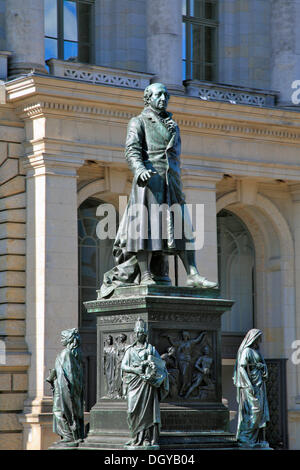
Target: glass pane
(81, 231)
(88, 266)
(90, 226)
(196, 55)
(183, 41)
(196, 71)
(196, 8)
(210, 44)
(84, 22)
(70, 50)
(70, 21)
(210, 11)
(209, 73)
(50, 48)
(183, 70)
(184, 10)
(50, 15)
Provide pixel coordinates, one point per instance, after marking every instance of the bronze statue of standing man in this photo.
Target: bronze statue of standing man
(147, 234)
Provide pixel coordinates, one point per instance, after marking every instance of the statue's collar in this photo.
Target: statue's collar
(148, 111)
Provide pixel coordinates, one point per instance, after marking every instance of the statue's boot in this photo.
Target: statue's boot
(195, 280)
(147, 279)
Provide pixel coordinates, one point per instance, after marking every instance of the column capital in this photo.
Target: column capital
(200, 178)
(38, 165)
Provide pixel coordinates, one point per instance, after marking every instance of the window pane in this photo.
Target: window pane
(196, 71)
(88, 266)
(210, 44)
(209, 73)
(210, 10)
(50, 18)
(70, 50)
(50, 48)
(196, 8)
(84, 25)
(183, 41)
(196, 55)
(70, 21)
(183, 70)
(184, 10)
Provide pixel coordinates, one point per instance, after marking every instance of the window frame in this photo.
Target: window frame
(60, 30)
(188, 20)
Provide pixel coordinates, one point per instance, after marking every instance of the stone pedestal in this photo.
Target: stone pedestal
(199, 421)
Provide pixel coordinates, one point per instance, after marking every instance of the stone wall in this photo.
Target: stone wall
(13, 376)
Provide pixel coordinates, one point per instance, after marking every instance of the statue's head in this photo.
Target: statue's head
(156, 96)
(140, 329)
(206, 350)
(70, 338)
(186, 336)
(121, 338)
(109, 339)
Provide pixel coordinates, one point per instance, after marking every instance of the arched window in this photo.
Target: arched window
(236, 260)
(95, 257)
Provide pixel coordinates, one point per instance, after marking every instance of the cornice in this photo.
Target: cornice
(36, 96)
(188, 124)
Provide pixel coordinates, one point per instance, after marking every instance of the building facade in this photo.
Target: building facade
(73, 74)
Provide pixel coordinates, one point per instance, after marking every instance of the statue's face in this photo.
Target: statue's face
(141, 336)
(159, 98)
(257, 343)
(63, 340)
(109, 339)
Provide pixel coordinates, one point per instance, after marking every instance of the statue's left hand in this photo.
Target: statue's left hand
(73, 426)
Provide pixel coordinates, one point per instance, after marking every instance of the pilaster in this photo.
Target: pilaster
(199, 187)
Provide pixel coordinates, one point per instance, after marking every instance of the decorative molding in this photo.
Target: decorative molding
(231, 94)
(44, 107)
(124, 318)
(99, 75)
(229, 127)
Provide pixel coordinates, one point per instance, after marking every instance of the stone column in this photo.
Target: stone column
(285, 58)
(25, 36)
(52, 285)
(200, 189)
(164, 35)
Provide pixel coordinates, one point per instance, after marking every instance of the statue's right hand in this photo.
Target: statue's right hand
(146, 175)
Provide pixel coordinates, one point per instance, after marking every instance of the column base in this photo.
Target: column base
(24, 68)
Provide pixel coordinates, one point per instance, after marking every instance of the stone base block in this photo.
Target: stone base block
(189, 319)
